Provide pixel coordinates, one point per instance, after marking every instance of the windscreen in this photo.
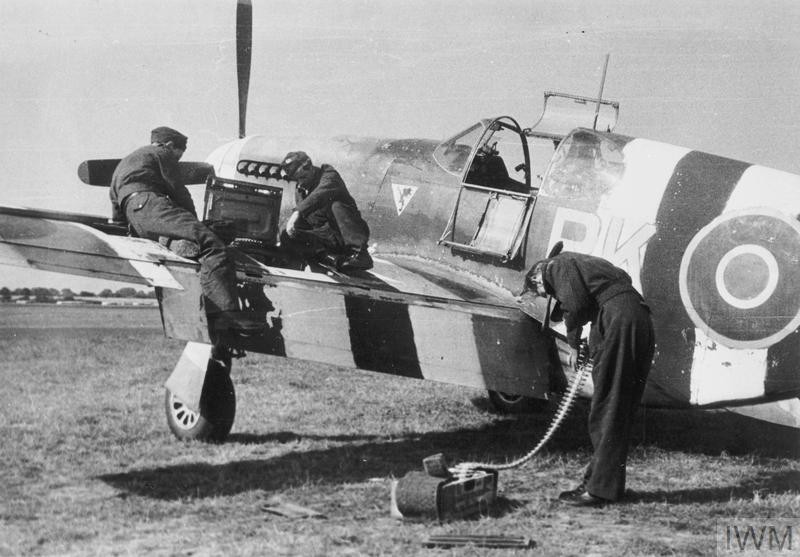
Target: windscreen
(453, 154)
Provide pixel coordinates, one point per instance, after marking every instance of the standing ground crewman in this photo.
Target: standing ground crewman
(326, 223)
(148, 191)
(621, 344)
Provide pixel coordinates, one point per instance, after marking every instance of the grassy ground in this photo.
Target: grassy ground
(88, 466)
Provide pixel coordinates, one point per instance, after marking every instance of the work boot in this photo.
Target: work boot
(572, 493)
(586, 499)
(358, 260)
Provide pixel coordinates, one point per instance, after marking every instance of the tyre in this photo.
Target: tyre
(217, 410)
(505, 403)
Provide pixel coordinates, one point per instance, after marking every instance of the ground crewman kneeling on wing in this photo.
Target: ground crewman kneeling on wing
(326, 223)
(147, 190)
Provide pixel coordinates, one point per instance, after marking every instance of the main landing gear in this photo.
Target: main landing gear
(214, 419)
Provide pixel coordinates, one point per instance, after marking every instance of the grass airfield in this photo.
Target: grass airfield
(89, 467)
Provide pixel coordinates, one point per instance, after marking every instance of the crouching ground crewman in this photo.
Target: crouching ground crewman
(148, 191)
(326, 223)
(621, 344)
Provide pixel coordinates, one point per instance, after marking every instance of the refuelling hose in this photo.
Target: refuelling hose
(583, 368)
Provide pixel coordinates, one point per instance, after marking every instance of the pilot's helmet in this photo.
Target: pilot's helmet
(294, 162)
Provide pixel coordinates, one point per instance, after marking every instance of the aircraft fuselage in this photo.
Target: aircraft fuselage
(712, 243)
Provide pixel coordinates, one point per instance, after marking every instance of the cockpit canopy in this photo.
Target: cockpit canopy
(495, 200)
(491, 153)
(586, 164)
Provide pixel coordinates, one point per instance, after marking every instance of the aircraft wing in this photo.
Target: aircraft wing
(406, 316)
(83, 245)
(88, 245)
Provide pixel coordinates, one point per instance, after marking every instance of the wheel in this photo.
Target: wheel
(217, 410)
(516, 404)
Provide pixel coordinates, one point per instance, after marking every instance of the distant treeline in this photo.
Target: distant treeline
(65, 294)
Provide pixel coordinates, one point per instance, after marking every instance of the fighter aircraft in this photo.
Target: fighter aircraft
(712, 243)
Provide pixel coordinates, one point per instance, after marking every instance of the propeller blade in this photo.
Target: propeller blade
(244, 43)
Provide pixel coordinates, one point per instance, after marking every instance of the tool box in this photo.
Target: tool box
(418, 494)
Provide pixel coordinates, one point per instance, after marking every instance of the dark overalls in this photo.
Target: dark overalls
(148, 191)
(621, 344)
(329, 217)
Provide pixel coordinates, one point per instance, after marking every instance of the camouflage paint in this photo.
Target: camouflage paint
(643, 218)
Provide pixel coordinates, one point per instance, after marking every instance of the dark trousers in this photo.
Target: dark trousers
(339, 229)
(153, 215)
(622, 346)
(352, 228)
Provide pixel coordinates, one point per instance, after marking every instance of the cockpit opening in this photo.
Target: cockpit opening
(495, 202)
(491, 153)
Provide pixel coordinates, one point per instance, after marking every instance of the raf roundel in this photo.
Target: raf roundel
(739, 281)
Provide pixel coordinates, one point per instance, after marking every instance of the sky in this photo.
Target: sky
(88, 79)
